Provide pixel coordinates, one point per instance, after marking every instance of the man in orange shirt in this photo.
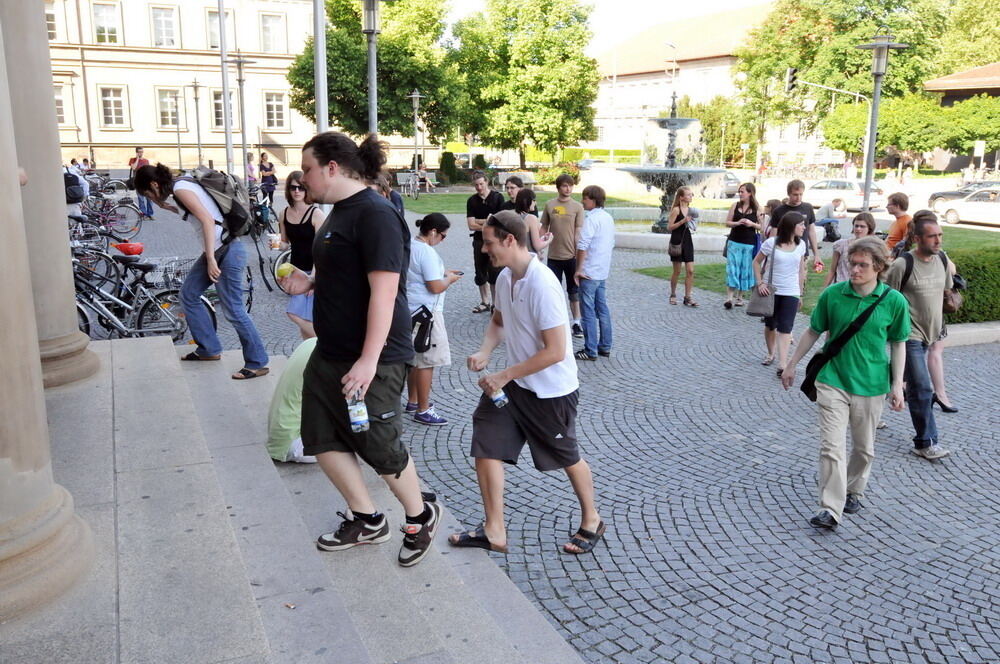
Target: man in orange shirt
(896, 206)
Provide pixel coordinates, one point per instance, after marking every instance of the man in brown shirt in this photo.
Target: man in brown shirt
(563, 217)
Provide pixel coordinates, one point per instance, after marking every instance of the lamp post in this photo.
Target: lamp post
(722, 147)
(371, 30)
(227, 118)
(879, 46)
(319, 66)
(177, 125)
(415, 97)
(195, 85)
(671, 160)
(240, 61)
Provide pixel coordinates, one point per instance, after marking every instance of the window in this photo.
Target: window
(113, 107)
(167, 102)
(60, 109)
(217, 120)
(272, 33)
(164, 27)
(274, 110)
(106, 24)
(50, 21)
(213, 29)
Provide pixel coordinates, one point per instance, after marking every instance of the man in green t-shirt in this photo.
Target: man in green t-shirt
(851, 388)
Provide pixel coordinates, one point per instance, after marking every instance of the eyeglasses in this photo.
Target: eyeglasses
(296, 187)
(443, 235)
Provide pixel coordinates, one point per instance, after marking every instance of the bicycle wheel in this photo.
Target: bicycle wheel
(163, 314)
(116, 188)
(125, 220)
(97, 269)
(282, 258)
(249, 289)
(82, 319)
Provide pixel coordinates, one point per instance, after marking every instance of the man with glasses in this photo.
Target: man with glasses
(540, 384)
(851, 387)
(478, 208)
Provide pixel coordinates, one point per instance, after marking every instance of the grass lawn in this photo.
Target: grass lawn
(455, 203)
(712, 276)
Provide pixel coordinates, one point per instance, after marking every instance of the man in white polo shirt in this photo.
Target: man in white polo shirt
(593, 261)
(540, 384)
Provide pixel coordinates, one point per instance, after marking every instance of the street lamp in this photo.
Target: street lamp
(177, 125)
(879, 46)
(722, 146)
(415, 97)
(240, 61)
(370, 29)
(319, 67)
(194, 85)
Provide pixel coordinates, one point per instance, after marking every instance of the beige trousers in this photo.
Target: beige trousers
(838, 410)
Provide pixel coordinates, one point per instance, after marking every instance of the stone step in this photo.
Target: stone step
(169, 583)
(455, 606)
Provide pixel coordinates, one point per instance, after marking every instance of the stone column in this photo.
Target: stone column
(44, 545)
(62, 347)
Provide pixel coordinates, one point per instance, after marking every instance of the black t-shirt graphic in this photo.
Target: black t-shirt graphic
(363, 234)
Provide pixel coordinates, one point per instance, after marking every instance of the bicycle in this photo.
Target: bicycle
(411, 185)
(107, 185)
(123, 218)
(130, 309)
(276, 262)
(175, 270)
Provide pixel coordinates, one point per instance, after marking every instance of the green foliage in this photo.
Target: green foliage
(478, 161)
(713, 114)
(844, 128)
(448, 166)
(975, 119)
(982, 299)
(915, 124)
(972, 38)
(576, 154)
(549, 175)
(526, 76)
(819, 38)
(409, 56)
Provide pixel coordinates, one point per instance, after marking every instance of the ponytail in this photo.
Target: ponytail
(435, 221)
(363, 161)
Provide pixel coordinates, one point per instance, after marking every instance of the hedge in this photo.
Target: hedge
(981, 267)
(576, 154)
(549, 175)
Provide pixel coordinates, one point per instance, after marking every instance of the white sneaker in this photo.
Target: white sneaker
(932, 452)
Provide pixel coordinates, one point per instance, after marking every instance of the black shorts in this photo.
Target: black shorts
(785, 308)
(547, 425)
(566, 268)
(326, 426)
(485, 272)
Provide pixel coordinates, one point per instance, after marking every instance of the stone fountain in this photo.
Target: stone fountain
(670, 177)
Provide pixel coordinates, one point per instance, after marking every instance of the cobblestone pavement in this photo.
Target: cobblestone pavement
(705, 471)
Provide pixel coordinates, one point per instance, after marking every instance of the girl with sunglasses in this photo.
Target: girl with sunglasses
(298, 225)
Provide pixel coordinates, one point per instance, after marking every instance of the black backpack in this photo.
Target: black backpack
(230, 194)
(74, 190)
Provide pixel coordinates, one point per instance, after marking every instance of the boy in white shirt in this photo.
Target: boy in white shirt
(540, 383)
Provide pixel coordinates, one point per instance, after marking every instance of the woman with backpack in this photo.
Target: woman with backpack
(222, 264)
(298, 225)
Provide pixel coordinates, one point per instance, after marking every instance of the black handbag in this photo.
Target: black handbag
(422, 322)
(819, 360)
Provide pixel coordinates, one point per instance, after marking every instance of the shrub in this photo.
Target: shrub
(576, 154)
(448, 166)
(479, 162)
(981, 267)
(549, 175)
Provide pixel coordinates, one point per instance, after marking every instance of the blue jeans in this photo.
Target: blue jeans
(145, 205)
(594, 314)
(919, 395)
(230, 290)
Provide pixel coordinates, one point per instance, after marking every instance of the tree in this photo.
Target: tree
(819, 38)
(713, 114)
(409, 57)
(976, 119)
(972, 38)
(844, 128)
(914, 124)
(526, 75)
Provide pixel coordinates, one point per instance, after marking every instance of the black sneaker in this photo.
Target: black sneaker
(852, 505)
(823, 519)
(417, 537)
(604, 353)
(353, 532)
(577, 331)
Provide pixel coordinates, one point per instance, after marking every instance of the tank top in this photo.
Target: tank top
(743, 234)
(300, 236)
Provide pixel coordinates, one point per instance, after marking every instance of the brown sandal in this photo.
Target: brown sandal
(689, 302)
(247, 374)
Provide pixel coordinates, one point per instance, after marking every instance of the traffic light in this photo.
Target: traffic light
(791, 74)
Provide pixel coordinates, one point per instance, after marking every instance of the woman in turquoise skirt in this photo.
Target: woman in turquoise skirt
(744, 221)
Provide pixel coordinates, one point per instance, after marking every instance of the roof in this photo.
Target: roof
(980, 78)
(697, 38)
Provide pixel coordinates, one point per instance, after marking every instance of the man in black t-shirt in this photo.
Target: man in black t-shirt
(479, 207)
(795, 203)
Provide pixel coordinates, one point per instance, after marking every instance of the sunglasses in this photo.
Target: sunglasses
(296, 187)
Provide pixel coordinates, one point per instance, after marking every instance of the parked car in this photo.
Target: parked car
(850, 191)
(981, 206)
(727, 187)
(585, 164)
(938, 200)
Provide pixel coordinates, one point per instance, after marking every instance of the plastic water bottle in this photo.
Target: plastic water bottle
(499, 399)
(358, 413)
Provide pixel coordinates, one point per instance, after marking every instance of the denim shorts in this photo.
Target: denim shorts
(785, 308)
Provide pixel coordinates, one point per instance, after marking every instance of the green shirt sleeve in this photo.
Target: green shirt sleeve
(820, 321)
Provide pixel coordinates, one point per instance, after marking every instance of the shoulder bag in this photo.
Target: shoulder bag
(819, 360)
(762, 306)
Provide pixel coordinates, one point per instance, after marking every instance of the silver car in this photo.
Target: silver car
(981, 206)
(849, 191)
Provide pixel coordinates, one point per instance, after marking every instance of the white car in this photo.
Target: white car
(981, 206)
(850, 191)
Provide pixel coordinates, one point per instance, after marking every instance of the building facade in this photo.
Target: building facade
(148, 72)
